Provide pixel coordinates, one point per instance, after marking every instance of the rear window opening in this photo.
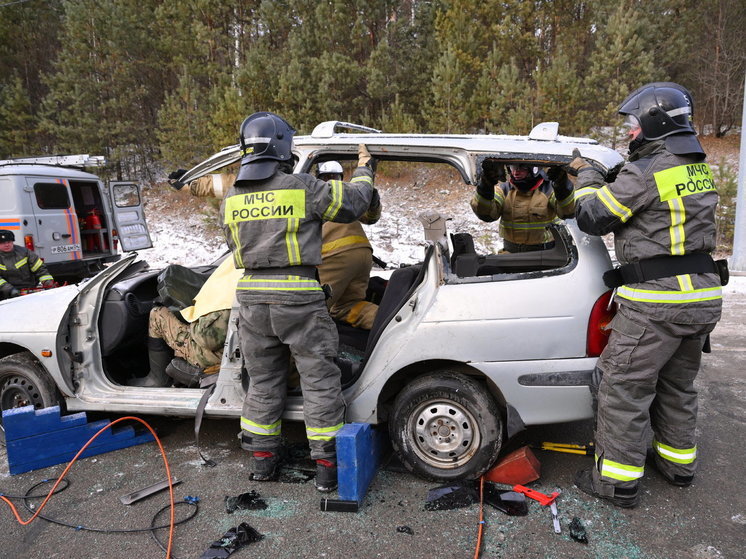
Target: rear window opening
(95, 230)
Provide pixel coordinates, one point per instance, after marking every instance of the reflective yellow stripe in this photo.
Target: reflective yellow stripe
(684, 180)
(613, 205)
(567, 201)
(685, 282)
(678, 217)
(259, 429)
(292, 283)
(45, 278)
(620, 472)
(323, 433)
(677, 455)
(291, 240)
(673, 297)
(337, 188)
(3, 268)
(37, 265)
(237, 258)
(499, 194)
(343, 242)
(588, 190)
(363, 178)
(2, 281)
(22, 262)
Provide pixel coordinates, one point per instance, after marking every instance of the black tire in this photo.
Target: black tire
(446, 426)
(24, 382)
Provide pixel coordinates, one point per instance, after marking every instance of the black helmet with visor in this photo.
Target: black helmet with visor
(266, 141)
(663, 110)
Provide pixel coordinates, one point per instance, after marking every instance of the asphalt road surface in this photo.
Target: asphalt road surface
(704, 521)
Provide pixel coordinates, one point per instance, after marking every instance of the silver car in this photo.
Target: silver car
(466, 349)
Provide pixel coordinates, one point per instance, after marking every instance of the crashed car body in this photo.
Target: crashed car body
(466, 349)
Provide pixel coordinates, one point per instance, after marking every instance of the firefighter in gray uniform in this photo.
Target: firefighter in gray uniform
(661, 209)
(272, 221)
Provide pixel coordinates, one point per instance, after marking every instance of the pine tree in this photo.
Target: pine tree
(449, 96)
(104, 94)
(512, 102)
(621, 61)
(559, 95)
(16, 121)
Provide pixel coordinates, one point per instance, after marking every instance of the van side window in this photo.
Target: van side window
(51, 196)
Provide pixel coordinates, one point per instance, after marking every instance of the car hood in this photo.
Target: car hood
(37, 312)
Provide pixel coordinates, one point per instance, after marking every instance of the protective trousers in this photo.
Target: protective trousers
(270, 334)
(199, 343)
(648, 371)
(348, 273)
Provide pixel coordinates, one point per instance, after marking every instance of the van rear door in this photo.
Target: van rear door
(129, 216)
(58, 231)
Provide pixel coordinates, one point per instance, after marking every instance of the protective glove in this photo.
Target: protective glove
(177, 174)
(49, 284)
(363, 156)
(14, 293)
(493, 171)
(577, 164)
(373, 213)
(558, 175)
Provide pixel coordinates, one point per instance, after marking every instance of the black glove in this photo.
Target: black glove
(558, 175)
(373, 213)
(493, 171)
(375, 201)
(14, 293)
(177, 174)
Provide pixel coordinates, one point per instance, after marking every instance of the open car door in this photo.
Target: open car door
(129, 216)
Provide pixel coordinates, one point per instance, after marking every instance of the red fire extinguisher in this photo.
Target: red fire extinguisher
(93, 221)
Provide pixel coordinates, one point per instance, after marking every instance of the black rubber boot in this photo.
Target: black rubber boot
(677, 480)
(619, 496)
(159, 355)
(184, 373)
(326, 475)
(266, 466)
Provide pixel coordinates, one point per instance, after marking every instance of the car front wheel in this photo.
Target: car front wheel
(23, 382)
(446, 426)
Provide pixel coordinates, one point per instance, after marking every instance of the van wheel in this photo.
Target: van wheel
(446, 426)
(24, 382)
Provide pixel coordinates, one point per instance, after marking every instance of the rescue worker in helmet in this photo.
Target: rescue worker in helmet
(272, 222)
(661, 210)
(20, 268)
(526, 202)
(347, 259)
(185, 344)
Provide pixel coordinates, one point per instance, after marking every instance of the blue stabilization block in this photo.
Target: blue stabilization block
(41, 438)
(360, 449)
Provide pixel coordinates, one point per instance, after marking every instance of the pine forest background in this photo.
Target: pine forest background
(158, 84)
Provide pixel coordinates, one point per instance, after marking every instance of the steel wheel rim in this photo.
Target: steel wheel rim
(18, 391)
(445, 434)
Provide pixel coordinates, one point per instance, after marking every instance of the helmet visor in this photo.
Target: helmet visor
(630, 123)
(631, 127)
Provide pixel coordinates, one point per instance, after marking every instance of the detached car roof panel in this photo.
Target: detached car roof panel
(552, 149)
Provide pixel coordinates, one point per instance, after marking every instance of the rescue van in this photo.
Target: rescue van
(72, 219)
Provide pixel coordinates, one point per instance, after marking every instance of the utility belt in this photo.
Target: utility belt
(309, 272)
(666, 266)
